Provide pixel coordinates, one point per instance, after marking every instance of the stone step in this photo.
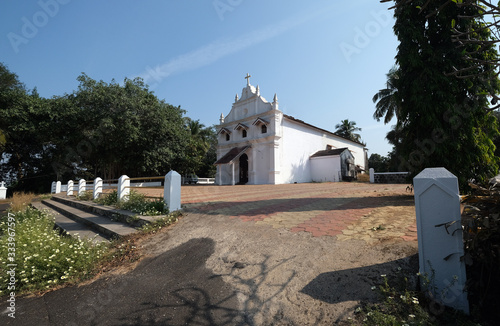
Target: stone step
(108, 211)
(70, 227)
(102, 224)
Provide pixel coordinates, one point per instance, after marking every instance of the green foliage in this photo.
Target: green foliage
(481, 225)
(200, 152)
(378, 163)
(86, 195)
(399, 306)
(402, 305)
(347, 129)
(124, 129)
(388, 102)
(110, 199)
(443, 120)
(137, 203)
(44, 258)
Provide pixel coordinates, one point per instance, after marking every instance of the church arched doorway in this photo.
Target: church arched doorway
(243, 169)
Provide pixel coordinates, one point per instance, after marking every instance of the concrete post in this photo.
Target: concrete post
(440, 243)
(58, 187)
(372, 175)
(3, 190)
(172, 191)
(82, 186)
(97, 187)
(232, 174)
(53, 187)
(69, 191)
(123, 188)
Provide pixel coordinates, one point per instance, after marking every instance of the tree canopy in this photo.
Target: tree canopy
(101, 129)
(443, 120)
(347, 129)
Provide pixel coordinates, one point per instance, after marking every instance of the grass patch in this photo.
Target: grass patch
(401, 304)
(20, 201)
(160, 223)
(44, 258)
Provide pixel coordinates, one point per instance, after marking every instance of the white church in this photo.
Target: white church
(258, 144)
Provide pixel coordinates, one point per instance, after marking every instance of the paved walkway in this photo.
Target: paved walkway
(369, 212)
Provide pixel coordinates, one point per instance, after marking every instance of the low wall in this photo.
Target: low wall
(390, 177)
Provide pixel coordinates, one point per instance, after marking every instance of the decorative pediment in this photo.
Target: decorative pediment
(240, 126)
(260, 121)
(224, 131)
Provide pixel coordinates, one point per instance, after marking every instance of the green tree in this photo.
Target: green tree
(378, 162)
(387, 101)
(347, 129)
(200, 149)
(125, 130)
(443, 120)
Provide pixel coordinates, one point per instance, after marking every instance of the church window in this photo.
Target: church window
(263, 129)
(244, 133)
(228, 137)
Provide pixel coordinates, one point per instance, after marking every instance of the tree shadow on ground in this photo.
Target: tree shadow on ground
(174, 288)
(355, 284)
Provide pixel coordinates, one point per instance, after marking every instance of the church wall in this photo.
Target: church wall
(261, 160)
(326, 169)
(301, 141)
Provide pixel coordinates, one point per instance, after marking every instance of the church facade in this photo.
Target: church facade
(258, 144)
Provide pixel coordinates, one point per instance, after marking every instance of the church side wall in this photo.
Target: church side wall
(300, 142)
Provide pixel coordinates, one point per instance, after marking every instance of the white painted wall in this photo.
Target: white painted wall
(301, 141)
(325, 169)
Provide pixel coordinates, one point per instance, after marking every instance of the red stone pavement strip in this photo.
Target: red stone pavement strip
(334, 221)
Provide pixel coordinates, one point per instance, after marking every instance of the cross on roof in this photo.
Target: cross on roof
(248, 79)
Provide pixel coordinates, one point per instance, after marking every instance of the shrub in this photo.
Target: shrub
(110, 199)
(139, 204)
(20, 201)
(481, 223)
(86, 195)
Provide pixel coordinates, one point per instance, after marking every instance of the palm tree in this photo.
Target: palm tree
(346, 129)
(387, 100)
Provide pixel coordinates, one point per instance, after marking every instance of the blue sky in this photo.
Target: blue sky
(324, 59)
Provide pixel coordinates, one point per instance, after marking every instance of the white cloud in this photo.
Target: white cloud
(219, 49)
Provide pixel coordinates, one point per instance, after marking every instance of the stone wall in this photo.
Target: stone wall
(391, 177)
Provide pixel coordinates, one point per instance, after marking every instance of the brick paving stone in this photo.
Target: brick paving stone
(344, 210)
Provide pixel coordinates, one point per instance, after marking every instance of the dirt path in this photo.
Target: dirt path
(271, 244)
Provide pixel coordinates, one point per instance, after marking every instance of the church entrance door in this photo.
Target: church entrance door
(243, 169)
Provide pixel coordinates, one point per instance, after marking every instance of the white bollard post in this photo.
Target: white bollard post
(172, 191)
(440, 243)
(97, 187)
(58, 187)
(69, 191)
(372, 175)
(3, 190)
(82, 186)
(123, 188)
